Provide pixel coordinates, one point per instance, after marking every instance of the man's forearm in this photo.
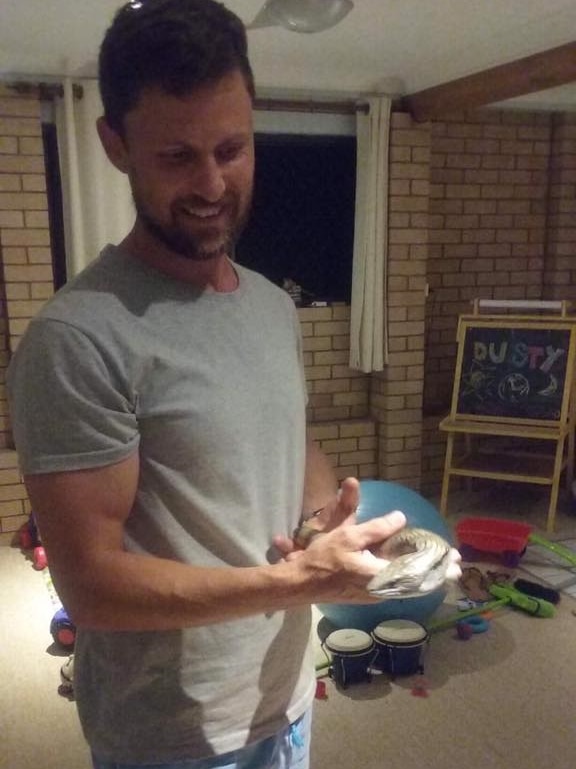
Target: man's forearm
(133, 592)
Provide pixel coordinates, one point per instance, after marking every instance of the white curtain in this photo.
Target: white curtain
(97, 202)
(368, 336)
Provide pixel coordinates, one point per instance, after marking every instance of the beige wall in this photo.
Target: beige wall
(480, 205)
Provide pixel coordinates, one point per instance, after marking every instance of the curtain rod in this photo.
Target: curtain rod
(44, 91)
(327, 107)
(51, 91)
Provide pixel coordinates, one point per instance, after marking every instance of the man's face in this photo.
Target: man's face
(190, 161)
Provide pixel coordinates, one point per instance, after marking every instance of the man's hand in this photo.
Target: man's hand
(340, 511)
(339, 564)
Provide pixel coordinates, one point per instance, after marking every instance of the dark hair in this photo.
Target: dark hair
(175, 44)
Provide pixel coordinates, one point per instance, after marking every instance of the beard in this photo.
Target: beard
(203, 245)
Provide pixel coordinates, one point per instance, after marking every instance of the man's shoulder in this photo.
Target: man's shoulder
(93, 293)
(257, 282)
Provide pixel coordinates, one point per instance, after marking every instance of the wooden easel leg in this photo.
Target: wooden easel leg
(551, 520)
(571, 441)
(570, 461)
(446, 477)
(468, 448)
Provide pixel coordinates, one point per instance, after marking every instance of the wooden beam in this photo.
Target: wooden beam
(544, 70)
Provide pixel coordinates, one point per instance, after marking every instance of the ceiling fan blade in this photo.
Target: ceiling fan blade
(264, 18)
(302, 15)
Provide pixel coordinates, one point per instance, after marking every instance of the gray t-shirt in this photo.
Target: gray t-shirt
(209, 388)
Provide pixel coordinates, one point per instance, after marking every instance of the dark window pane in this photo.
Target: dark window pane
(302, 223)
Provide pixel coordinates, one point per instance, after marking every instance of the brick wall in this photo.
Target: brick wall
(481, 204)
(26, 268)
(488, 205)
(397, 392)
(351, 445)
(338, 405)
(489, 230)
(335, 391)
(560, 266)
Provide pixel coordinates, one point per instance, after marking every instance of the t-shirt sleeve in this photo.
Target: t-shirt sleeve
(71, 406)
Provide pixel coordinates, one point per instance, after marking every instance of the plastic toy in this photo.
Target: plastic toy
(29, 538)
(62, 629)
(378, 498)
(504, 595)
(538, 607)
(537, 590)
(66, 688)
(466, 628)
(508, 539)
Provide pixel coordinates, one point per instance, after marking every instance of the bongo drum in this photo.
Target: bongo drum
(352, 652)
(398, 646)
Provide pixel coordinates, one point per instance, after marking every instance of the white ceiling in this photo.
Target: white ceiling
(391, 46)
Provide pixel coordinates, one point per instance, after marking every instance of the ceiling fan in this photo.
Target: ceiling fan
(301, 15)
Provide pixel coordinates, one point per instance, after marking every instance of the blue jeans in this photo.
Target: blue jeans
(288, 749)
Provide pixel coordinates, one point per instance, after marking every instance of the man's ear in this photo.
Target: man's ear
(113, 144)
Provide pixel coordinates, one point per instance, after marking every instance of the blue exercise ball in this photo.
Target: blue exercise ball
(378, 498)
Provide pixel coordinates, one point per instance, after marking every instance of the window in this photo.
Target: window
(302, 223)
(55, 210)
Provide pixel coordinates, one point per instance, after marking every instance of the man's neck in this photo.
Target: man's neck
(216, 274)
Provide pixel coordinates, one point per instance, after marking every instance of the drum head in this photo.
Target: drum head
(348, 641)
(400, 631)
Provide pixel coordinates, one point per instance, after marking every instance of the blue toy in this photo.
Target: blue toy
(62, 629)
(378, 498)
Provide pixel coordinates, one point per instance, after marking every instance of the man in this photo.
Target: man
(158, 410)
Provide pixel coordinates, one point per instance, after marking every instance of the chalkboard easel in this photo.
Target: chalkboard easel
(514, 379)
